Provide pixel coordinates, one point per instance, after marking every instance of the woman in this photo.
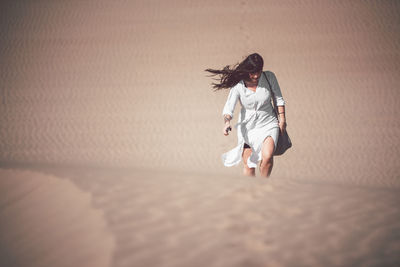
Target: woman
(257, 127)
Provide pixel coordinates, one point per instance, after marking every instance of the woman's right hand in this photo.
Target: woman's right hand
(227, 128)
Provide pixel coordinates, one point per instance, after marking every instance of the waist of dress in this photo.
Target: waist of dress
(254, 115)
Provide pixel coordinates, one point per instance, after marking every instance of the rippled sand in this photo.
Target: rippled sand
(110, 134)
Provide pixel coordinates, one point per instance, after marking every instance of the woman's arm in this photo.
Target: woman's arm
(279, 101)
(276, 89)
(229, 108)
(282, 118)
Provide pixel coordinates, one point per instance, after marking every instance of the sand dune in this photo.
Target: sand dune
(180, 219)
(46, 221)
(106, 108)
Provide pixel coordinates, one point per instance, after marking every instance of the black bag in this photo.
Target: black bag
(284, 142)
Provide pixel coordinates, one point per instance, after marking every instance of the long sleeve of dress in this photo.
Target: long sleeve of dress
(231, 102)
(276, 89)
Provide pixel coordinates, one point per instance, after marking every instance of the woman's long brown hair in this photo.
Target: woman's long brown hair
(230, 76)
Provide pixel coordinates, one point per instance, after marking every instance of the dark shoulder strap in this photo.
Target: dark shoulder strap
(270, 89)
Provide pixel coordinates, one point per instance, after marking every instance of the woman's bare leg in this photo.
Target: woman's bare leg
(246, 170)
(267, 161)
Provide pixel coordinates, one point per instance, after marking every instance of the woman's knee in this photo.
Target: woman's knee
(266, 160)
(268, 149)
(267, 155)
(249, 171)
(246, 167)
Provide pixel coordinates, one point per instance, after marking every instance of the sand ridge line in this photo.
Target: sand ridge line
(48, 221)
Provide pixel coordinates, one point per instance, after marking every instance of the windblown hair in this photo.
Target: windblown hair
(230, 76)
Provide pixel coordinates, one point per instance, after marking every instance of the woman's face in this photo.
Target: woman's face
(253, 77)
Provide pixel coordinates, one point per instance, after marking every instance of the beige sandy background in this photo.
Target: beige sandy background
(107, 115)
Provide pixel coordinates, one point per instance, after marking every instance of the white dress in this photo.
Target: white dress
(256, 120)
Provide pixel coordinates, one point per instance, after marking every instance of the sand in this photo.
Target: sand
(184, 219)
(46, 221)
(110, 134)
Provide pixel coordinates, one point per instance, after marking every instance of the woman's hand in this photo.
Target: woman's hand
(282, 118)
(227, 128)
(282, 125)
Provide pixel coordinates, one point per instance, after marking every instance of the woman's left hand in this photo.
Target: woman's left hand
(282, 126)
